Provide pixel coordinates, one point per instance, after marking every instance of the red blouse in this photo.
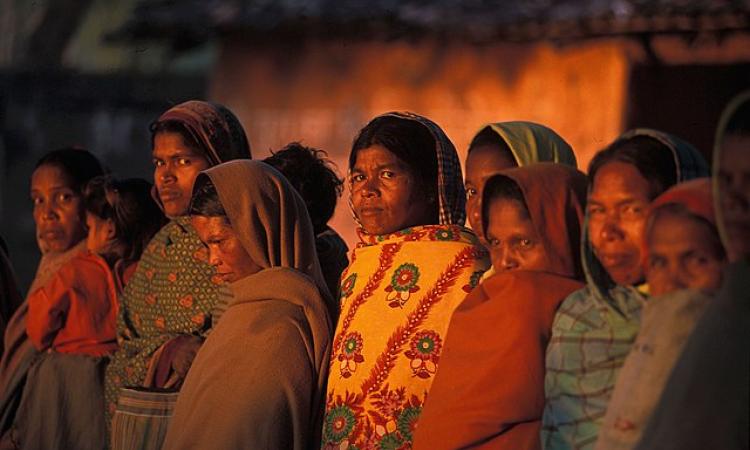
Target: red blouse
(76, 311)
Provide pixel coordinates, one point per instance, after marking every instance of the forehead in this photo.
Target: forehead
(50, 175)
(207, 226)
(620, 180)
(487, 159)
(507, 214)
(169, 143)
(680, 230)
(377, 156)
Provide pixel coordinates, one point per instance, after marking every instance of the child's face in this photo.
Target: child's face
(58, 210)
(101, 231)
(512, 239)
(483, 162)
(682, 254)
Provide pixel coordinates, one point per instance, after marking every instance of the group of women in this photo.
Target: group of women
(217, 309)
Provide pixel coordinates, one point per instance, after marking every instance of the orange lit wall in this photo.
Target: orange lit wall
(322, 93)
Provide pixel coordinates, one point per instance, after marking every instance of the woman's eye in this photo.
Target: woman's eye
(470, 192)
(655, 263)
(157, 162)
(596, 210)
(37, 201)
(493, 242)
(183, 161)
(632, 210)
(65, 197)
(357, 178)
(525, 243)
(387, 174)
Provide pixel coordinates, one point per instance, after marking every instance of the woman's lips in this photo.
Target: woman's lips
(615, 259)
(169, 195)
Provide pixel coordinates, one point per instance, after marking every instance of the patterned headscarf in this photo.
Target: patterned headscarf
(533, 143)
(450, 183)
(213, 126)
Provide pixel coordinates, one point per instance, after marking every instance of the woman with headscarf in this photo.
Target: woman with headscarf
(683, 260)
(258, 381)
(596, 326)
(168, 306)
(414, 264)
(706, 402)
(489, 391)
(503, 145)
(57, 185)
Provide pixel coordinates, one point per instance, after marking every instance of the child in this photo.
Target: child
(683, 251)
(75, 311)
(314, 177)
(489, 388)
(72, 317)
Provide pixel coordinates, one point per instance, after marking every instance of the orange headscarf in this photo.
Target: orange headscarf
(489, 389)
(555, 196)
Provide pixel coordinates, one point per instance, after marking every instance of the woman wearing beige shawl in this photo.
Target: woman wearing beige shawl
(258, 380)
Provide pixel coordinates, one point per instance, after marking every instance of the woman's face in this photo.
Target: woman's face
(734, 194)
(483, 162)
(225, 251)
(617, 207)
(683, 253)
(58, 209)
(175, 168)
(386, 196)
(512, 239)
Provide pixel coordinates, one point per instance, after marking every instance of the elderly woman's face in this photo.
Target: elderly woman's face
(58, 209)
(386, 195)
(175, 168)
(225, 251)
(617, 207)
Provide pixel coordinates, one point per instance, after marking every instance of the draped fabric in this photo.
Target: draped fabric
(533, 143)
(258, 380)
(489, 391)
(397, 297)
(173, 291)
(593, 332)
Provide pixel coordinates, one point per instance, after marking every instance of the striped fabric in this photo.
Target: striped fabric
(142, 418)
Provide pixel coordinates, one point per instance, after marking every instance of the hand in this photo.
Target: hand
(186, 347)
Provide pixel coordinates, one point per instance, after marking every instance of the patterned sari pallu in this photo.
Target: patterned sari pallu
(380, 373)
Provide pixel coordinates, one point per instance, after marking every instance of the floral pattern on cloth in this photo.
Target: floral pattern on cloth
(397, 297)
(172, 292)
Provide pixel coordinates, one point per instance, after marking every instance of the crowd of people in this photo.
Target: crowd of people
(216, 309)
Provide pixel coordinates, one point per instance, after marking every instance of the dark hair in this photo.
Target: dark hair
(78, 164)
(314, 177)
(175, 126)
(500, 187)
(739, 122)
(681, 210)
(488, 136)
(411, 142)
(129, 204)
(205, 201)
(653, 160)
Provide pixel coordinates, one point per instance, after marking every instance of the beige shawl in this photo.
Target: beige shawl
(258, 381)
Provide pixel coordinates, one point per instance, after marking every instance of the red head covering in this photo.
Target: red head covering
(555, 196)
(696, 196)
